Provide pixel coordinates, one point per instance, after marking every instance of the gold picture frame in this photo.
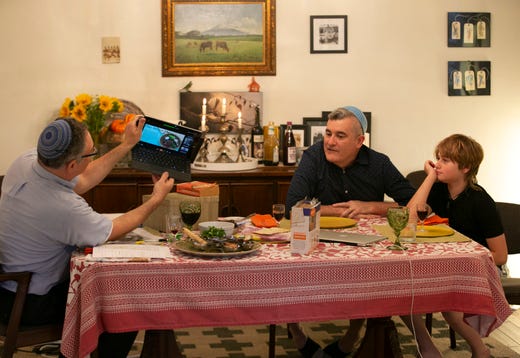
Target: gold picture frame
(218, 38)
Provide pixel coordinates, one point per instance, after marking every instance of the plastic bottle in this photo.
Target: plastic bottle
(289, 146)
(271, 147)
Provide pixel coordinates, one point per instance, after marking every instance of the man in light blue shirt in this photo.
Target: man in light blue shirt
(43, 219)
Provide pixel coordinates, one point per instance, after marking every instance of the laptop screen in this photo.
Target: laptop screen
(174, 138)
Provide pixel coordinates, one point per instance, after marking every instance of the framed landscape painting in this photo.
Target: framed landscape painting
(218, 38)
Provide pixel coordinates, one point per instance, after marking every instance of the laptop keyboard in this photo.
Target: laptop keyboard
(160, 159)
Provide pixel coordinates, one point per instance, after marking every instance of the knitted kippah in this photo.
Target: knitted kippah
(360, 117)
(54, 139)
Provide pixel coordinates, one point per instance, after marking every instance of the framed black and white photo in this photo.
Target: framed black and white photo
(329, 34)
(315, 130)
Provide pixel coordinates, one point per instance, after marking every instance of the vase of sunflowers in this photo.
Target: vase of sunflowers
(94, 111)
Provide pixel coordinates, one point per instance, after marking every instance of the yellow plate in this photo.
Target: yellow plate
(433, 231)
(333, 222)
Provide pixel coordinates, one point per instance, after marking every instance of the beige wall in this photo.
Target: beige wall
(395, 68)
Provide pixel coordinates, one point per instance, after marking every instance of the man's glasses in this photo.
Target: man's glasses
(91, 154)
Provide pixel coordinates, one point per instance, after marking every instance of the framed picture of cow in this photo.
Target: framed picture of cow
(218, 38)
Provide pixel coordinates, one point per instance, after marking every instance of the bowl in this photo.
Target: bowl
(226, 226)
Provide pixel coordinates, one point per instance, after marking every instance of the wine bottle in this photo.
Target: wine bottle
(271, 148)
(289, 146)
(257, 138)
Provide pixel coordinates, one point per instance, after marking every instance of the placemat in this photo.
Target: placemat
(387, 231)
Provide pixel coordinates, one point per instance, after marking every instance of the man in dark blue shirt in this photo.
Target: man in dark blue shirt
(350, 180)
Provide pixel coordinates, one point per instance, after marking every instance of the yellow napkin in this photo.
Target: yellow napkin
(387, 231)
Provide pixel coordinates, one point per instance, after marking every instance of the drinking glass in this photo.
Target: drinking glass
(422, 213)
(397, 219)
(278, 211)
(190, 212)
(173, 225)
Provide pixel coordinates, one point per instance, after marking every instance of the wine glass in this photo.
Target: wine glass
(422, 213)
(278, 211)
(172, 226)
(397, 219)
(190, 212)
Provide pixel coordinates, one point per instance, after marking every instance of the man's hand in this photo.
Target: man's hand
(162, 185)
(133, 131)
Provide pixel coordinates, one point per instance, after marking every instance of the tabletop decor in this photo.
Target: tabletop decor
(92, 110)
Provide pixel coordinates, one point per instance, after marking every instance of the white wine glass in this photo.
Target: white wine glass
(397, 219)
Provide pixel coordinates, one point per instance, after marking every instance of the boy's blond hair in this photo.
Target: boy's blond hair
(465, 151)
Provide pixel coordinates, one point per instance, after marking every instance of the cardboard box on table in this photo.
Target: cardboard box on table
(305, 226)
(170, 205)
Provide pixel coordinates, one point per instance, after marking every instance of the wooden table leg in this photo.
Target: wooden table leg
(160, 343)
(272, 340)
(380, 340)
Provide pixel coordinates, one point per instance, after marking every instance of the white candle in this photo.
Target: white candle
(204, 106)
(203, 123)
(239, 120)
(223, 106)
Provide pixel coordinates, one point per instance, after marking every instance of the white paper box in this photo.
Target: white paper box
(305, 227)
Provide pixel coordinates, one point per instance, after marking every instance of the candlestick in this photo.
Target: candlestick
(204, 106)
(223, 106)
(239, 120)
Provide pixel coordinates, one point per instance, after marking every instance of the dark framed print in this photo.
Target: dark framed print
(315, 130)
(469, 29)
(469, 78)
(299, 132)
(329, 34)
(218, 38)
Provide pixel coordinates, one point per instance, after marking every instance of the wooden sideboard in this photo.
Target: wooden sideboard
(241, 193)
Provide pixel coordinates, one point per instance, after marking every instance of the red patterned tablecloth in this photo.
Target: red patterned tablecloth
(335, 281)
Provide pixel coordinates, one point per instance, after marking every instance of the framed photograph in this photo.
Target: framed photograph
(329, 34)
(299, 132)
(469, 29)
(469, 78)
(220, 108)
(315, 130)
(218, 38)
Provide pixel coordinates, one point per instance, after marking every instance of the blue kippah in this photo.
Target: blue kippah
(360, 117)
(54, 139)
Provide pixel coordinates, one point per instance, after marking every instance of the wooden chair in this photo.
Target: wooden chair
(14, 335)
(510, 215)
(416, 178)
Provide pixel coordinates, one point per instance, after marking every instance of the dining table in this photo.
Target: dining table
(272, 285)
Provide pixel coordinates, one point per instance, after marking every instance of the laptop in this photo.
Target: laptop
(167, 147)
(349, 238)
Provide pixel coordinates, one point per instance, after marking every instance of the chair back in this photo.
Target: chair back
(14, 335)
(416, 178)
(510, 216)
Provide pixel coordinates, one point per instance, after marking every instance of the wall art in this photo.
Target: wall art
(218, 38)
(329, 34)
(469, 78)
(469, 29)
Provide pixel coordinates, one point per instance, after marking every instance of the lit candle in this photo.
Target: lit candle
(204, 106)
(223, 106)
(203, 123)
(239, 120)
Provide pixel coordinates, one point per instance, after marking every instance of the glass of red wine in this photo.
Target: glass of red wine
(190, 212)
(422, 213)
(173, 225)
(278, 211)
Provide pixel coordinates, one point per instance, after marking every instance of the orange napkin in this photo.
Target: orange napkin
(435, 220)
(263, 220)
